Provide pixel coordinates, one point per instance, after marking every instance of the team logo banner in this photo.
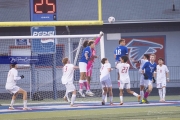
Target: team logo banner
(19, 59)
(43, 46)
(138, 46)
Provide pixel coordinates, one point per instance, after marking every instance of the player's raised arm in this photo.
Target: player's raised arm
(99, 38)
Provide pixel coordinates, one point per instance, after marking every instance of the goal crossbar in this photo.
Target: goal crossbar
(52, 36)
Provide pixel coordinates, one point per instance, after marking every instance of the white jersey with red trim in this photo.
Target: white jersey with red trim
(68, 74)
(105, 74)
(124, 72)
(12, 78)
(161, 73)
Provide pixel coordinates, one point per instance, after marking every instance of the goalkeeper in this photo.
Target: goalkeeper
(91, 60)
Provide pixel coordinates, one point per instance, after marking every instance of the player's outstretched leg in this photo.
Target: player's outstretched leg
(24, 99)
(134, 93)
(73, 98)
(163, 93)
(142, 86)
(104, 95)
(110, 95)
(66, 98)
(12, 101)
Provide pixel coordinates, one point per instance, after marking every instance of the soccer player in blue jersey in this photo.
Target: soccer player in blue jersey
(148, 70)
(86, 54)
(120, 51)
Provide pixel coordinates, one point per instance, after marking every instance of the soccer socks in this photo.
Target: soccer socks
(111, 99)
(81, 84)
(66, 95)
(86, 84)
(121, 99)
(25, 103)
(146, 94)
(142, 94)
(135, 94)
(160, 93)
(12, 103)
(73, 98)
(103, 97)
(163, 93)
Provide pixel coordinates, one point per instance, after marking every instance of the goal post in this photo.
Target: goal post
(43, 71)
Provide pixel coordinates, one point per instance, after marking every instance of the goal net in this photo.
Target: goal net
(42, 78)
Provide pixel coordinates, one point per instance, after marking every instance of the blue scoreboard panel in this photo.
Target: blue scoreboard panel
(43, 10)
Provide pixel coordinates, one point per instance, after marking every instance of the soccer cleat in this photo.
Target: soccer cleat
(121, 103)
(144, 100)
(81, 93)
(11, 108)
(111, 104)
(103, 103)
(139, 98)
(27, 109)
(89, 93)
(71, 105)
(65, 98)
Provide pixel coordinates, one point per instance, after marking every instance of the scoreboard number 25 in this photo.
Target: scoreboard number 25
(44, 6)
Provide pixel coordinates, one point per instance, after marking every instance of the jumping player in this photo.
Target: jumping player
(91, 61)
(142, 62)
(162, 76)
(67, 79)
(148, 70)
(105, 80)
(11, 86)
(120, 51)
(86, 54)
(123, 68)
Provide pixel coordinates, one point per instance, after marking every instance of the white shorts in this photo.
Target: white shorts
(106, 83)
(147, 83)
(141, 79)
(14, 90)
(70, 87)
(162, 84)
(122, 85)
(83, 67)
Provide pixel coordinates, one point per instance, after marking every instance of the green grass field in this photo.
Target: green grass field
(133, 113)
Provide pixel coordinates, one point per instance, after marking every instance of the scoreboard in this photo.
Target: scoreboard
(43, 10)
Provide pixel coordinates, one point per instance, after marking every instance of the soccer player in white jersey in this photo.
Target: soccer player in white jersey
(67, 79)
(123, 68)
(11, 86)
(105, 80)
(162, 76)
(142, 62)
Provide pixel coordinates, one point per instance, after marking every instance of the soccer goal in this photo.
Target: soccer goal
(43, 78)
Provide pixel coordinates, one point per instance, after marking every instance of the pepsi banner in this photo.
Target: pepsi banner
(43, 46)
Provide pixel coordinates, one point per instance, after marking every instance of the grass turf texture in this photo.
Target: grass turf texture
(148, 113)
(135, 113)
